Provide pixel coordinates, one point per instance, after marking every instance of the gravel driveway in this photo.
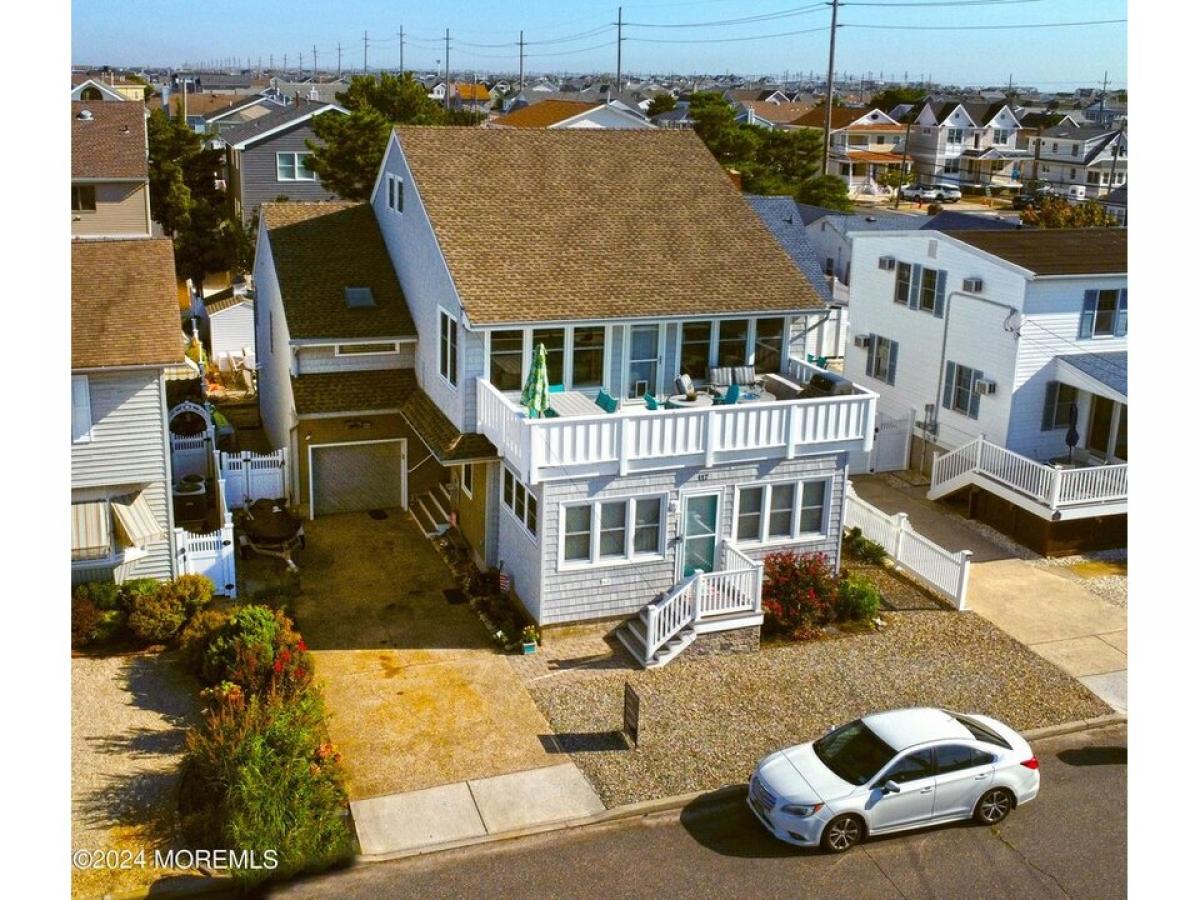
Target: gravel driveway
(707, 721)
(129, 715)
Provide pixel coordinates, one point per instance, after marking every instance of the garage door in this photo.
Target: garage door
(352, 477)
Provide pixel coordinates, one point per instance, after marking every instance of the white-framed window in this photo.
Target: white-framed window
(519, 501)
(779, 512)
(575, 356)
(958, 394)
(610, 531)
(466, 480)
(955, 135)
(1001, 135)
(903, 283)
(706, 343)
(81, 409)
(448, 347)
(881, 359)
(953, 166)
(395, 188)
(293, 166)
(366, 349)
(83, 198)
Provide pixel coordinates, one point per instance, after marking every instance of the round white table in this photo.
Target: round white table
(680, 401)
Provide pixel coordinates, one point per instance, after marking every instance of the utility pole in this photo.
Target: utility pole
(1112, 172)
(521, 76)
(904, 156)
(401, 34)
(620, 26)
(301, 63)
(314, 62)
(446, 99)
(339, 59)
(285, 68)
(1103, 94)
(829, 88)
(364, 53)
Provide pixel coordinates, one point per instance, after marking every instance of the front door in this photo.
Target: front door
(700, 533)
(1100, 425)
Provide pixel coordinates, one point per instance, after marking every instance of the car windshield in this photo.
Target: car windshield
(853, 752)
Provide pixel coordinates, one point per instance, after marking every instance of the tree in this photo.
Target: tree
(826, 191)
(783, 160)
(894, 96)
(1055, 212)
(895, 178)
(350, 151)
(660, 104)
(399, 99)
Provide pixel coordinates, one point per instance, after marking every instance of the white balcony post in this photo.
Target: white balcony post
(710, 437)
(533, 451)
(978, 453)
(1055, 488)
(793, 425)
(623, 445)
(964, 574)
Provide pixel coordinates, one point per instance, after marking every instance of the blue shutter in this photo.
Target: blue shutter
(973, 403)
(1122, 315)
(1087, 321)
(948, 390)
(893, 352)
(914, 288)
(939, 300)
(1048, 408)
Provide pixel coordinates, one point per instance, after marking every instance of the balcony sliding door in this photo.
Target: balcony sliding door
(642, 377)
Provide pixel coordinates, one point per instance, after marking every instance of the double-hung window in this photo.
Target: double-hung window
(291, 166)
(958, 394)
(1105, 314)
(780, 511)
(613, 530)
(1001, 136)
(881, 359)
(1057, 410)
(448, 347)
(927, 300)
(955, 135)
(903, 283)
(81, 410)
(519, 501)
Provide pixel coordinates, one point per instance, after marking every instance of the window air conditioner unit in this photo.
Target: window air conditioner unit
(862, 340)
(973, 285)
(985, 386)
(887, 263)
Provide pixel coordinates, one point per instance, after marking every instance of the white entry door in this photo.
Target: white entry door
(700, 525)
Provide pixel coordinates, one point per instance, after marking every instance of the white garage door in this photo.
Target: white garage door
(352, 477)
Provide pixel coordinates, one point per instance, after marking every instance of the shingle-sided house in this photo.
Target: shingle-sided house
(1080, 162)
(110, 185)
(967, 143)
(570, 114)
(1008, 349)
(640, 262)
(268, 157)
(124, 336)
(863, 144)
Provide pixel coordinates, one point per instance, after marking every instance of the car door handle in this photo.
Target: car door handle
(981, 776)
(928, 790)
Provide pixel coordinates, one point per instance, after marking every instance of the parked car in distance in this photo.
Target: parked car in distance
(917, 191)
(946, 192)
(893, 771)
(1027, 199)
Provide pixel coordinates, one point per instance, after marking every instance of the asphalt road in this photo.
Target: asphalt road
(1068, 842)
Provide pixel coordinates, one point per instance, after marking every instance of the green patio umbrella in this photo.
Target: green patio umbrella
(536, 395)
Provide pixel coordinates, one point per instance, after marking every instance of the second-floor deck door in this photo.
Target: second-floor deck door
(643, 361)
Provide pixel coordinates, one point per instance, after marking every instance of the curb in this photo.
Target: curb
(670, 804)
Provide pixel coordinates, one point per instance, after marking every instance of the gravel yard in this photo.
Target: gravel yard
(707, 721)
(129, 715)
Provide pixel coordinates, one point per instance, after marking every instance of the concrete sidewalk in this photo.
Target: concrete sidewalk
(472, 809)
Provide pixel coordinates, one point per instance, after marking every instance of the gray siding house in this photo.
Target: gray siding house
(124, 335)
(268, 157)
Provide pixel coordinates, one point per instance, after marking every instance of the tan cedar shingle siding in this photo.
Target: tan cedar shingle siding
(612, 224)
(112, 144)
(124, 310)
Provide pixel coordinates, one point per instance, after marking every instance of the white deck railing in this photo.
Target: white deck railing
(1051, 487)
(638, 440)
(669, 615)
(936, 567)
(254, 476)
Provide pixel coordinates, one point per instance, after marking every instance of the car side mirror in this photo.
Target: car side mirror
(890, 787)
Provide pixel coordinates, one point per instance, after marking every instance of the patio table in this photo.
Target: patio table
(574, 403)
(680, 401)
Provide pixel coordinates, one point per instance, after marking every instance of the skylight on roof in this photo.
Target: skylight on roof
(359, 297)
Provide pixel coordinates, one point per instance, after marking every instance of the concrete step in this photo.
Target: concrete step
(430, 523)
(438, 505)
(445, 496)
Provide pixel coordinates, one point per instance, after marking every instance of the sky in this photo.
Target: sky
(773, 37)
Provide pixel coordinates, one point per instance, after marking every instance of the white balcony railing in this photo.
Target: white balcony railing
(634, 439)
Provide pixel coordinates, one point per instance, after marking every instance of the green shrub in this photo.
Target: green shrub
(104, 595)
(196, 636)
(258, 649)
(111, 625)
(798, 593)
(84, 619)
(194, 591)
(863, 548)
(261, 774)
(138, 587)
(858, 598)
(156, 617)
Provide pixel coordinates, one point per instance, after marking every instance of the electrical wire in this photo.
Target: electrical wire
(744, 20)
(1026, 26)
(752, 37)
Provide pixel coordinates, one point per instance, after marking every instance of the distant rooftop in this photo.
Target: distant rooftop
(1055, 251)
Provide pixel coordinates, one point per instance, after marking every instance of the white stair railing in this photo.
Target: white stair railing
(670, 614)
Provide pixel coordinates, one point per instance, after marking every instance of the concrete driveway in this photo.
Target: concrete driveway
(417, 694)
(1041, 606)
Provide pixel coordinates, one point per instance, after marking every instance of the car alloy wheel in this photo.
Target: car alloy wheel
(842, 833)
(994, 806)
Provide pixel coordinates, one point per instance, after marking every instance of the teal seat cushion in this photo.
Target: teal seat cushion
(555, 389)
(606, 401)
(731, 395)
(651, 403)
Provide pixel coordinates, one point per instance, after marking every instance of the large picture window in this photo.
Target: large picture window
(555, 342)
(780, 512)
(731, 342)
(610, 531)
(695, 348)
(294, 167)
(507, 354)
(768, 345)
(587, 357)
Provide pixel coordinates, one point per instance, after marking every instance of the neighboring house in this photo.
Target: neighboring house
(595, 514)
(471, 96)
(1105, 114)
(770, 114)
(1116, 202)
(967, 143)
(268, 157)
(761, 95)
(953, 220)
(438, 92)
(124, 336)
(1082, 162)
(570, 114)
(93, 90)
(316, 91)
(863, 144)
(675, 118)
(110, 185)
(336, 347)
(830, 231)
(992, 340)
(230, 315)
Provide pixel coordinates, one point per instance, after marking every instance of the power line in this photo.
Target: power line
(743, 20)
(1027, 25)
(752, 37)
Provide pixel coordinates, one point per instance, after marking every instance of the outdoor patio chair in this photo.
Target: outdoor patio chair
(730, 397)
(651, 400)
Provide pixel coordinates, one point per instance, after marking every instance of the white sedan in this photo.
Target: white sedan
(893, 771)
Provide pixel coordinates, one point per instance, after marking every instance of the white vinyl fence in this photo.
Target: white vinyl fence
(913, 553)
(214, 554)
(190, 454)
(254, 476)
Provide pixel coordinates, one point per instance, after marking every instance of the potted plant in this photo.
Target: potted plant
(529, 639)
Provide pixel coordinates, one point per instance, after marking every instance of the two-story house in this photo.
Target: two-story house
(268, 157)
(110, 184)
(1084, 162)
(124, 336)
(863, 144)
(1008, 349)
(966, 143)
(569, 114)
(632, 498)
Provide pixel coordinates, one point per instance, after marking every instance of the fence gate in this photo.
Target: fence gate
(893, 440)
(212, 555)
(254, 476)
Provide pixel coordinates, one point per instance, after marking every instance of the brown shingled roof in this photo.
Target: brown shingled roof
(445, 442)
(111, 144)
(779, 113)
(614, 224)
(320, 249)
(124, 310)
(375, 390)
(472, 91)
(840, 117)
(544, 114)
(1055, 251)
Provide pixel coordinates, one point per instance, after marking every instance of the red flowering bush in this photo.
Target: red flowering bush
(259, 649)
(799, 593)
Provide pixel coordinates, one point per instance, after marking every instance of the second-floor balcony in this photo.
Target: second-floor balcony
(582, 440)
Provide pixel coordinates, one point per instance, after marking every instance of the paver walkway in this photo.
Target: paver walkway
(1039, 605)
